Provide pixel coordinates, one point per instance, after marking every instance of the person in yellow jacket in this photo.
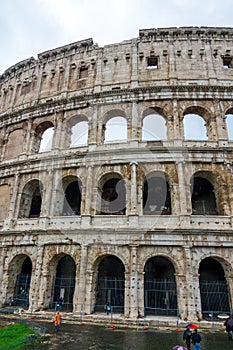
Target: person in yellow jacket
(57, 321)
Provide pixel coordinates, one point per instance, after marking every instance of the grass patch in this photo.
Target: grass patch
(16, 336)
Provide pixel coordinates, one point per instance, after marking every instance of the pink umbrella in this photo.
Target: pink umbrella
(179, 347)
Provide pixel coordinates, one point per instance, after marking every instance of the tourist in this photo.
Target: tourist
(57, 320)
(196, 339)
(229, 326)
(187, 338)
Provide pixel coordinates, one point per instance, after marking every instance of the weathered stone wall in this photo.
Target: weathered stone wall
(83, 82)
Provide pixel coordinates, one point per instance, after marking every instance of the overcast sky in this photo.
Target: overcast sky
(29, 27)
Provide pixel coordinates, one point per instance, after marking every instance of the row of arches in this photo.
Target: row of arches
(112, 196)
(154, 128)
(77, 130)
(159, 284)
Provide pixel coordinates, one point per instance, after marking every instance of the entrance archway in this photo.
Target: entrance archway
(215, 296)
(160, 294)
(22, 270)
(110, 284)
(64, 284)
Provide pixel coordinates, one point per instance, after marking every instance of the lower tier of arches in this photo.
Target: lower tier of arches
(134, 280)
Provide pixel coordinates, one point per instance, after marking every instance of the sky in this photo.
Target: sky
(30, 27)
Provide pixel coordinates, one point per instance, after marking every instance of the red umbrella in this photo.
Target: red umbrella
(179, 347)
(192, 325)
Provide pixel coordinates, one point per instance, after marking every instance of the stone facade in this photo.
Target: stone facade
(77, 213)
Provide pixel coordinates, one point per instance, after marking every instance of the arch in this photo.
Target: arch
(194, 127)
(215, 296)
(20, 271)
(110, 286)
(154, 128)
(69, 196)
(77, 131)
(112, 192)
(156, 195)
(43, 137)
(160, 291)
(203, 194)
(229, 124)
(63, 268)
(79, 134)
(115, 130)
(31, 200)
(15, 144)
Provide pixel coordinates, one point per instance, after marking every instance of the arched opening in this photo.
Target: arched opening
(79, 134)
(194, 127)
(115, 130)
(215, 296)
(72, 196)
(64, 284)
(43, 137)
(110, 285)
(31, 199)
(20, 279)
(156, 195)
(113, 197)
(46, 140)
(160, 292)
(203, 197)
(154, 128)
(229, 123)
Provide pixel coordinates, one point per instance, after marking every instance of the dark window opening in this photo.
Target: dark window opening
(110, 285)
(22, 286)
(160, 292)
(156, 197)
(83, 72)
(113, 197)
(152, 62)
(64, 284)
(72, 201)
(35, 205)
(227, 62)
(203, 197)
(215, 296)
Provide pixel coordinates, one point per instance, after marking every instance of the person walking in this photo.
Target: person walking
(187, 338)
(57, 321)
(196, 340)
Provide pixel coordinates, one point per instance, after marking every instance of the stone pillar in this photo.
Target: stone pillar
(90, 297)
(177, 134)
(229, 280)
(183, 200)
(133, 194)
(80, 287)
(92, 130)
(133, 311)
(88, 195)
(28, 135)
(12, 207)
(229, 178)
(182, 295)
(221, 127)
(186, 288)
(37, 285)
(3, 275)
(47, 178)
(57, 133)
(133, 136)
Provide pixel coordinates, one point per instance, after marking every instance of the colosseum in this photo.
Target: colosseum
(116, 181)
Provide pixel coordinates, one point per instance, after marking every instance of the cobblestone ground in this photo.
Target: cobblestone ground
(89, 337)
